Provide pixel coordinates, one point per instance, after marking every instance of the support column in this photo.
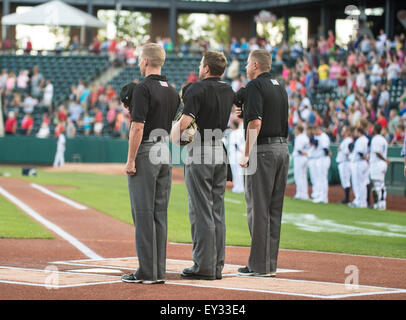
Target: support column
(242, 25)
(173, 17)
(389, 18)
(159, 24)
(286, 26)
(324, 16)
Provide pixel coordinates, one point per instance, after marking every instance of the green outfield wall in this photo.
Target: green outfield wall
(35, 151)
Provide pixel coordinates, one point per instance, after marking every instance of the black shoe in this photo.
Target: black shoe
(130, 278)
(188, 273)
(244, 271)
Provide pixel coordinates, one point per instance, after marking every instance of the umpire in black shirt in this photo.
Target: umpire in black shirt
(153, 107)
(265, 117)
(209, 102)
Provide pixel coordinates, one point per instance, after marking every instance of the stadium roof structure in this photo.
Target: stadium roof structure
(54, 13)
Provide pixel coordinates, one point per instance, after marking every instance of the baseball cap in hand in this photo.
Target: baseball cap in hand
(126, 94)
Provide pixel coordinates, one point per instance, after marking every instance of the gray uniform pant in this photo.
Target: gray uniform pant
(149, 191)
(206, 183)
(264, 194)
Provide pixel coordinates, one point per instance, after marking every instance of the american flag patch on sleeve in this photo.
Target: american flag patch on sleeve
(275, 82)
(163, 83)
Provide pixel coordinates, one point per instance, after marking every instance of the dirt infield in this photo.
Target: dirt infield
(86, 261)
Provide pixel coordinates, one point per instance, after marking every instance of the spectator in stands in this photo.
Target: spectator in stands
(3, 79)
(383, 101)
(36, 82)
(399, 135)
(111, 94)
(130, 55)
(75, 45)
(393, 71)
(87, 123)
(43, 131)
(98, 122)
(192, 77)
(22, 81)
(28, 46)
(376, 73)
(323, 73)
(70, 129)
(233, 69)
(381, 119)
(11, 81)
(96, 46)
(10, 126)
(394, 121)
(75, 109)
(62, 115)
(27, 124)
(342, 80)
(48, 94)
(111, 116)
(29, 103)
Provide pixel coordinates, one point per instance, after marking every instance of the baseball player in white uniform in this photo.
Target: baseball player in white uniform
(378, 165)
(322, 164)
(299, 155)
(236, 144)
(312, 161)
(343, 160)
(60, 151)
(360, 170)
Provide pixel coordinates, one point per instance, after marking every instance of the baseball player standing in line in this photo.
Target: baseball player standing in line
(343, 160)
(322, 164)
(378, 165)
(312, 161)
(299, 155)
(236, 143)
(60, 150)
(360, 170)
(266, 123)
(209, 102)
(153, 106)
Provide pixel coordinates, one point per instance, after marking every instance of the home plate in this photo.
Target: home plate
(172, 265)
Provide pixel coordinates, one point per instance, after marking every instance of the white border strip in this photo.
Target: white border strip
(51, 226)
(288, 293)
(50, 286)
(59, 197)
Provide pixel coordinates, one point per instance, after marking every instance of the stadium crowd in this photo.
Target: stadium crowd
(328, 86)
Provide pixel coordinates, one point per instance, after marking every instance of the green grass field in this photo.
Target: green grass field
(306, 226)
(15, 224)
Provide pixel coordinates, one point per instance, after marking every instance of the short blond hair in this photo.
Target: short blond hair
(263, 58)
(155, 54)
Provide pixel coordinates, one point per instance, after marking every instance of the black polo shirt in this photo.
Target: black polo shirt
(154, 102)
(209, 101)
(267, 100)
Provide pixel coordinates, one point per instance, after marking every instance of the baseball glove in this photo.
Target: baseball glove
(189, 134)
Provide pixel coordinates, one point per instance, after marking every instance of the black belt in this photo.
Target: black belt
(269, 140)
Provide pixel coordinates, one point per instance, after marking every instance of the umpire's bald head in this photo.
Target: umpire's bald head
(259, 61)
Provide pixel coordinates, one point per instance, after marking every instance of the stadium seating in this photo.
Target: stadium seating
(63, 71)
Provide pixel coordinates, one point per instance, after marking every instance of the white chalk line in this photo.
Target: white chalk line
(59, 197)
(52, 286)
(51, 226)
